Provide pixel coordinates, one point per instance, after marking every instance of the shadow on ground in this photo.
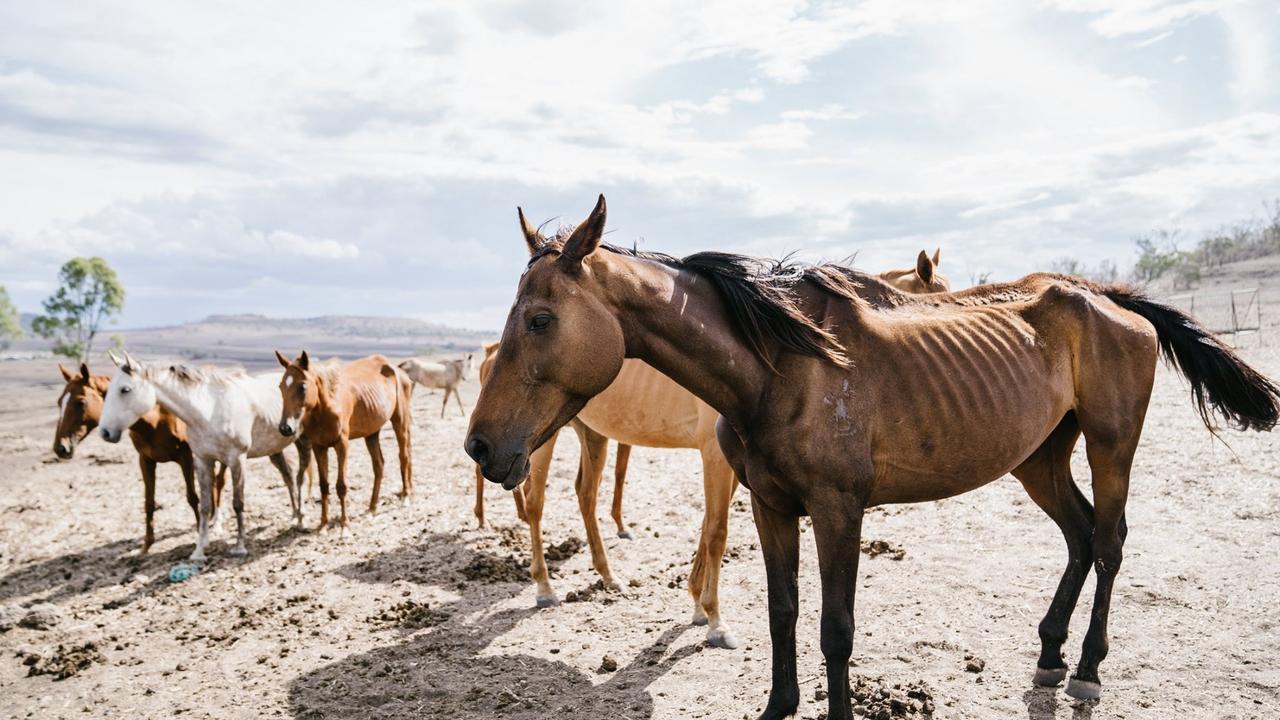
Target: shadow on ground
(444, 670)
(116, 562)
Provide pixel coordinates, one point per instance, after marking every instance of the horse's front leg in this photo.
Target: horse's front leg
(204, 473)
(780, 541)
(837, 529)
(237, 503)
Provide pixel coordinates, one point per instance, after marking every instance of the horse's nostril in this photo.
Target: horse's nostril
(105, 435)
(477, 448)
(286, 430)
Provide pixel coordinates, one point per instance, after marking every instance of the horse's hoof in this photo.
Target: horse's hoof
(1049, 677)
(238, 551)
(1084, 689)
(722, 638)
(626, 535)
(197, 556)
(548, 601)
(699, 618)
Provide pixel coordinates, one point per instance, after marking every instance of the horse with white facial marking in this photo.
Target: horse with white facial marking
(158, 436)
(331, 404)
(230, 416)
(831, 404)
(447, 376)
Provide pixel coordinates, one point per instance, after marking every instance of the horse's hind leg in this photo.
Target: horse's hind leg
(281, 464)
(458, 397)
(402, 424)
(718, 485)
(1046, 476)
(374, 444)
(1110, 461)
(590, 471)
(620, 479)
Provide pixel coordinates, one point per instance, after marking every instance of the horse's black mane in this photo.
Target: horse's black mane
(760, 295)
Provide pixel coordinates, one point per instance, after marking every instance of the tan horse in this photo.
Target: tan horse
(831, 405)
(158, 436)
(330, 405)
(445, 375)
(922, 279)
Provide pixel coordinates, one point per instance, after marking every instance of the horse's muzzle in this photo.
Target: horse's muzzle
(64, 450)
(499, 467)
(286, 429)
(109, 436)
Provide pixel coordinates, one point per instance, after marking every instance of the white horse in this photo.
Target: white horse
(230, 415)
(445, 375)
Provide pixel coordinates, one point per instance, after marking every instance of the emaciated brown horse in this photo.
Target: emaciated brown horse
(158, 436)
(330, 405)
(831, 405)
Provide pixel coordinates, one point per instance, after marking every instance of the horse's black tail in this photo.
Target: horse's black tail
(1220, 379)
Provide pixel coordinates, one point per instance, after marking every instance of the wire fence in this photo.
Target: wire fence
(1237, 313)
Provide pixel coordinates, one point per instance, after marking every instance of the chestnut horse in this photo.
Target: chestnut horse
(158, 436)
(830, 405)
(921, 279)
(329, 405)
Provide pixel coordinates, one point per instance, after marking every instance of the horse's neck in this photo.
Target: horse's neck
(677, 322)
(192, 404)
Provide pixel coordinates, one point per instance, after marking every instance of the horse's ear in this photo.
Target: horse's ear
(66, 374)
(924, 267)
(532, 237)
(115, 358)
(304, 362)
(937, 257)
(84, 372)
(586, 237)
(130, 365)
(284, 361)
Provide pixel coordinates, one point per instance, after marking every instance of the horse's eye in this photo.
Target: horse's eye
(126, 389)
(539, 322)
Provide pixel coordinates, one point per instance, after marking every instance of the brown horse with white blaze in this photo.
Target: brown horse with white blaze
(329, 405)
(831, 405)
(158, 436)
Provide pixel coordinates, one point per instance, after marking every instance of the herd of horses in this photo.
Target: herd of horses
(821, 389)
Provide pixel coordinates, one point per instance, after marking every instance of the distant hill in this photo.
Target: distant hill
(250, 339)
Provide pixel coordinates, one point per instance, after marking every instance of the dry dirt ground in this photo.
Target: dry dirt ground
(417, 613)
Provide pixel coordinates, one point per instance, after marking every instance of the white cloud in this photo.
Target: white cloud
(382, 148)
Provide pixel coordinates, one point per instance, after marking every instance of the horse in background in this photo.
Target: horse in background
(230, 416)
(330, 404)
(158, 436)
(891, 406)
(922, 279)
(445, 375)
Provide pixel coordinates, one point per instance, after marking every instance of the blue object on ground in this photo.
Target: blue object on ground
(182, 571)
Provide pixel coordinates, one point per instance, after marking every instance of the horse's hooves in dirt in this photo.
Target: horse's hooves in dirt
(722, 638)
(1084, 689)
(699, 618)
(238, 551)
(197, 556)
(548, 601)
(626, 535)
(1049, 677)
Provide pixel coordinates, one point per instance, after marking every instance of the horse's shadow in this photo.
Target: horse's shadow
(117, 562)
(446, 671)
(1043, 703)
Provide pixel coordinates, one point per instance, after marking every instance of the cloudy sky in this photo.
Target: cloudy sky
(311, 158)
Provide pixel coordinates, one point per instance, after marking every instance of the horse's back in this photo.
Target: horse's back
(646, 408)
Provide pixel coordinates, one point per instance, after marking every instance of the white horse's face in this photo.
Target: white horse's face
(128, 398)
